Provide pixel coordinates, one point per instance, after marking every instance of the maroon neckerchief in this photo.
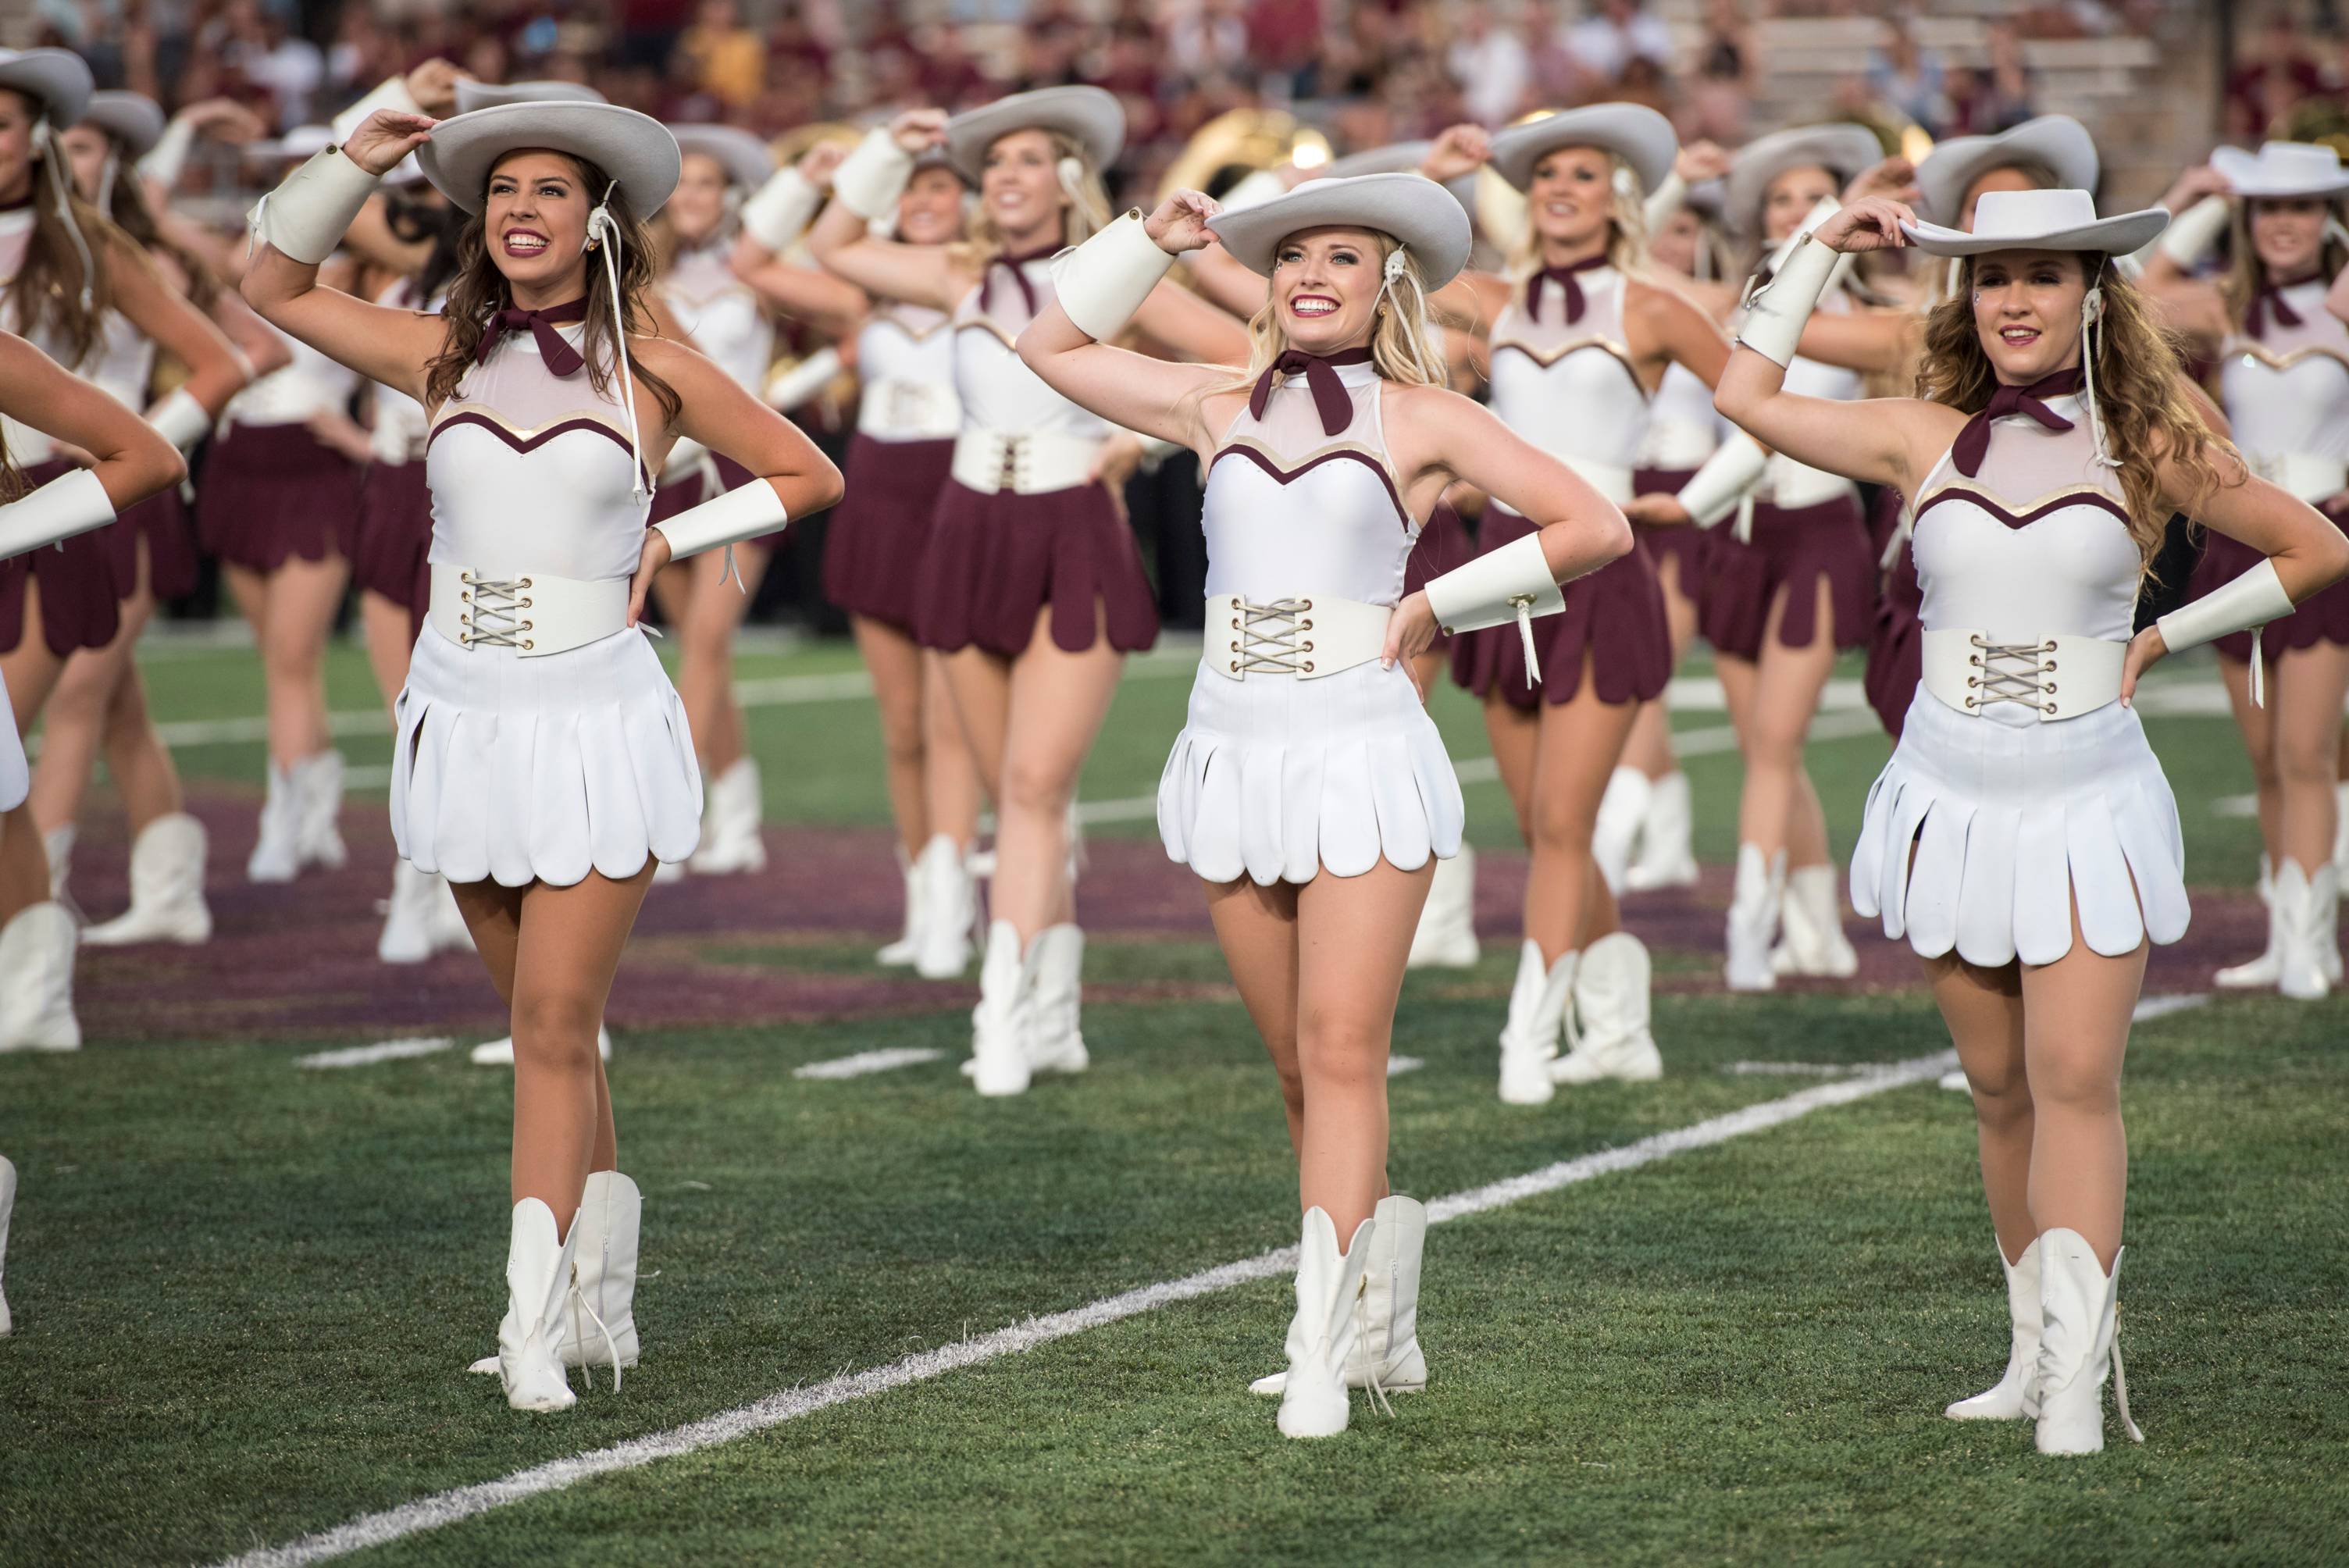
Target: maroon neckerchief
(2269, 298)
(559, 356)
(1974, 441)
(1330, 395)
(1564, 277)
(1013, 264)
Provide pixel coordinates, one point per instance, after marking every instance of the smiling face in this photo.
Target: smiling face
(930, 212)
(1571, 197)
(2288, 234)
(698, 204)
(17, 117)
(535, 222)
(1020, 184)
(2008, 179)
(86, 149)
(2026, 308)
(1325, 287)
(1789, 197)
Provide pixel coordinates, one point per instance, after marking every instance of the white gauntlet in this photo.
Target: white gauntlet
(391, 93)
(180, 419)
(780, 213)
(169, 156)
(2252, 600)
(1727, 478)
(746, 513)
(1513, 582)
(2192, 233)
(1777, 312)
(869, 180)
(1102, 283)
(69, 505)
(306, 215)
(1669, 197)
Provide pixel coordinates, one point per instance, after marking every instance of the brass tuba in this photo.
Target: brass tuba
(1240, 142)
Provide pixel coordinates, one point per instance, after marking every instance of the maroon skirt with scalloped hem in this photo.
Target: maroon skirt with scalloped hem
(2321, 618)
(1443, 544)
(1793, 550)
(162, 524)
(272, 493)
(684, 494)
(995, 561)
(390, 550)
(1896, 645)
(1682, 543)
(83, 581)
(1615, 615)
(877, 536)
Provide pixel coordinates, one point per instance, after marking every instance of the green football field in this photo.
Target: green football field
(1710, 1319)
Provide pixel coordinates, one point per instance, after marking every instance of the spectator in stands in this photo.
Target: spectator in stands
(1719, 106)
(2275, 75)
(1996, 98)
(1490, 62)
(729, 59)
(1907, 78)
(1616, 33)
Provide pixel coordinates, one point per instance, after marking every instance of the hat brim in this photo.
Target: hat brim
(1842, 150)
(1638, 136)
(1420, 215)
(1400, 158)
(58, 79)
(133, 120)
(2057, 140)
(2116, 236)
(635, 150)
(1091, 117)
(2251, 178)
(744, 157)
(473, 97)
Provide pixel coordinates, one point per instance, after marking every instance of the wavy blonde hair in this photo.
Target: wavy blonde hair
(2139, 398)
(1404, 345)
(1085, 212)
(1627, 237)
(2246, 274)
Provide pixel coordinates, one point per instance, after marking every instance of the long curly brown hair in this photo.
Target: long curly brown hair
(44, 296)
(127, 205)
(479, 291)
(2140, 397)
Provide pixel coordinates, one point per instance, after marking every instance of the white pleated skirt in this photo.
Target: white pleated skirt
(518, 771)
(1280, 779)
(2012, 824)
(16, 778)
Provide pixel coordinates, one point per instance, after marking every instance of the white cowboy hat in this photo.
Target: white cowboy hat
(1417, 212)
(2040, 220)
(2282, 168)
(1638, 136)
(1397, 158)
(473, 94)
(133, 120)
(2057, 140)
(55, 79)
(1841, 149)
(302, 141)
(745, 157)
(1092, 117)
(635, 150)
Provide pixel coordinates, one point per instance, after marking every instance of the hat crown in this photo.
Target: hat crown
(2303, 160)
(2031, 214)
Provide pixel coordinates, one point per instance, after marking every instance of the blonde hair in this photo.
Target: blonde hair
(1627, 225)
(1084, 211)
(1404, 343)
(2246, 274)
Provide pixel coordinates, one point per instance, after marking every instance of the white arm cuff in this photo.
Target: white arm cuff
(1727, 476)
(780, 213)
(2192, 233)
(1103, 281)
(180, 418)
(1496, 586)
(746, 513)
(871, 179)
(1775, 315)
(1666, 199)
(391, 93)
(2252, 600)
(69, 505)
(306, 215)
(169, 156)
(795, 385)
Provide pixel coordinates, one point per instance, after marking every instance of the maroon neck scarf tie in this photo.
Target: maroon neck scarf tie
(559, 356)
(1330, 395)
(1016, 265)
(1564, 277)
(2270, 298)
(1974, 441)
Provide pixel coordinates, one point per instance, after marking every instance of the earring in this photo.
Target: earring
(592, 243)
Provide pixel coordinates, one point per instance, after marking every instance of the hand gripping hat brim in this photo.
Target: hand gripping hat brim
(2057, 140)
(1091, 117)
(56, 79)
(2282, 170)
(745, 157)
(1638, 136)
(1841, 149)
(633, 149)
(473, 94)
(1420, 215)
(133, 120)
(2040, 220)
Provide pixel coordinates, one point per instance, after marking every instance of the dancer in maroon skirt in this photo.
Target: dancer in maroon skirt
(1032, 584)
(906, 419)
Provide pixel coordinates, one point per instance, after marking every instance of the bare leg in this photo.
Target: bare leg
(1578, 743)
(2258, 726)
(1515, 734)
(1983, 1008)
(1650, 746)
(24, 864)
(896, 663)
(302, 596)
(389, 644)
(980, 685)
(144, 774)
(31, 672)
(1257, 928)
(76, 713)
(1057, 702)
(705, 610)
(2305, 697)
(2075, 1015)
(950, 786)
(1776, 721)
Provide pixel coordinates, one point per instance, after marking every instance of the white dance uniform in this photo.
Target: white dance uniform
(520, 769)
(2015, 815)
(907, 417)
(1279, 777)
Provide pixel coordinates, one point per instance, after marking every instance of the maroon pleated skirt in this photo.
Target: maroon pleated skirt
(1793, 550)
(2321, 618)
(995, 561)
(391, 547)
(83, 581)
(1896, 640)
(1682, 543)
(1443, 544)
(272, 492)
(874, 543)
(161, 524)
(685, 493)
(1615, 615)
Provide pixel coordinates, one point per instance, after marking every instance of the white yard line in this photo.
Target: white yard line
(2151, 1007)
(464, 1502)
(384, 1051)
(1398, 1065)
(864, 1062)
(1792, 1069)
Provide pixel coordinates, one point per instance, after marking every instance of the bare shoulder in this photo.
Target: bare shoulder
(670, 359)
(1435, 407)
(1657, 301)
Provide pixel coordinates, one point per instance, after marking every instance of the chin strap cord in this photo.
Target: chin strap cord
(603, 233)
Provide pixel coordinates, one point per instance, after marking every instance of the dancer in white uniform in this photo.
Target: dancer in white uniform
(1309, 790)
(2023, 837)
(543, 762)
(1032, 584)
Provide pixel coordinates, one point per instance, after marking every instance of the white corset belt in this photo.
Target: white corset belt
(1023, 462)
(532, 612)
(1791, 486)
(1309, 636)
(2055, 677)
(2307, 476)
(1610, 480)
(908, 411)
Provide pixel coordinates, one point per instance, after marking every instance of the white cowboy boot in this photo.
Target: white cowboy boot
(2325, 915)
(2077, 1304)
(7, 1207)
(2341, 834)
(1752, 923)
(2301, 973)
(2009, 1398)
(37, 960)
(1537, 1006)
(604, 1241)
(899, 954)
(318, 786)
(538, 1292)
(1000, 1023)
(499, 1052)
(1445, 937)
(1812, 942)
(729, 839)
(447, 921)
(1055, 1044)
(1323, 1334)
(167, 888)
(2262, 972)
(407, 936)
(1613, 833)
(947, 897)
(1667, 854)
(1386, 1355)
(1611, 999)
(277, 846)
(57, 845)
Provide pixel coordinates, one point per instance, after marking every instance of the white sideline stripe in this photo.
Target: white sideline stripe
(463, 1502)
(383, 1051)
(1794, 1070)
(2235, 806)
(2149, 1008)
(1398, 1065)
(864, 1062)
